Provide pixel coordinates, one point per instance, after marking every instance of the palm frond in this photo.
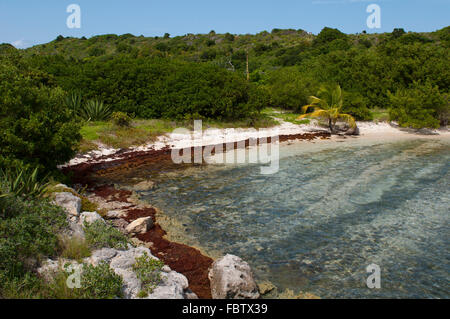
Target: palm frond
(348, 118)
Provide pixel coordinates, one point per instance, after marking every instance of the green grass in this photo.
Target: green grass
(380, 115)
(287, 116)
(144, 131)
(74, 248)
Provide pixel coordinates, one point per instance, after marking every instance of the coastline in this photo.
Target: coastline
(191, 261)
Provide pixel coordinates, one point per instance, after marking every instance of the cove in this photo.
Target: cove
(333, 208)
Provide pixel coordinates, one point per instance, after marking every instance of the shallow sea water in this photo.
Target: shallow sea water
(332, 209)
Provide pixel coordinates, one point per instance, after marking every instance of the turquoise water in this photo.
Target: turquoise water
(331, 210)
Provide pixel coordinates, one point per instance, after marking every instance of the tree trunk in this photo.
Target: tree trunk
(248, 73)
(330, 125)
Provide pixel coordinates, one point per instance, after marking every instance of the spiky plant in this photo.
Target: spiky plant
(95, 110)
(74, 101)
(23, 182)
(328, 107)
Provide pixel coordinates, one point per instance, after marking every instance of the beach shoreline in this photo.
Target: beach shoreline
(170, 246)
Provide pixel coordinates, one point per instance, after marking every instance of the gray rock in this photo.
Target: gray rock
(232, 278)
(173, 286)
(120, 224)
(131, 284)
(140, 225)
(126, 258)
(352, 131)
(68, 201)
(90, 217)
(116, 214)
(75, 229)
(99, 255)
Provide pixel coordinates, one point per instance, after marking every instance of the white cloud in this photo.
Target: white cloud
(21, 44)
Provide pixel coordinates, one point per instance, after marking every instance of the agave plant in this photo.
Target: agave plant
(328, 107)
(75, 102)
(23, 182)
(95, 110)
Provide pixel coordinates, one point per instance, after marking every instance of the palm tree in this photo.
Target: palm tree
(328, 107)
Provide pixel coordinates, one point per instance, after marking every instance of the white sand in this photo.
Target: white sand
(185, 139)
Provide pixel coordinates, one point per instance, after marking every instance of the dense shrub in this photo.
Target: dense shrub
(418, 106)
(28, 231)
(100, 282)
(289, 89)
(121, 119)
(148, 270)
(36, 127)
(100, 234)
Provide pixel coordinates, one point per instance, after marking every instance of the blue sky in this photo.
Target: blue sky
(25, 23)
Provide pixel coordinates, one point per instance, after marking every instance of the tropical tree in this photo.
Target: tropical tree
(328, 107)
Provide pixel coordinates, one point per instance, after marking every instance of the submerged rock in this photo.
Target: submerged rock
(232, 278)
(266, 287)
(144, 186)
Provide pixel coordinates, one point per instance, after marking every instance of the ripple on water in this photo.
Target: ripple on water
(327, 214)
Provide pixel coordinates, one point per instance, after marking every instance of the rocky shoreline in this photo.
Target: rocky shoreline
(227, 277)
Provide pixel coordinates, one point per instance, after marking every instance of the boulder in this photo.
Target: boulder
(68, 201)
(90, 217)
(173, 285)
(120, 224)
(116, 214)
(352, 131)
(131, 283)
(140, 225)
(99, 255)
(232, 278)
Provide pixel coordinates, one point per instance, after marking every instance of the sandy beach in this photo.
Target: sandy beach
(182, 138)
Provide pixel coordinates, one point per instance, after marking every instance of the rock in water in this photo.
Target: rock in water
(68, 201)
(140, 225)
(232, 278)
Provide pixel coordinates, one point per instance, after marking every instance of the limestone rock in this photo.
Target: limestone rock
(172, 286)
(68, 201)
(140, 225)
(120, 224)
(99, 255)
(232, 278)
(90, 217)
(116, 213)
(131, 284)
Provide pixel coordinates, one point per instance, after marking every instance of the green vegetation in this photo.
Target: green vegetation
(204, 75)
(29, 231)
(121, 119)
(22, 182)
(148, 270)
(97, 282)
(94, 110)
(37, 128)
(328, 107)
(100, 234)
(74, 248)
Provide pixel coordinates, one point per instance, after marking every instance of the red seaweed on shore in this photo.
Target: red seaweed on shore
(184, 259)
